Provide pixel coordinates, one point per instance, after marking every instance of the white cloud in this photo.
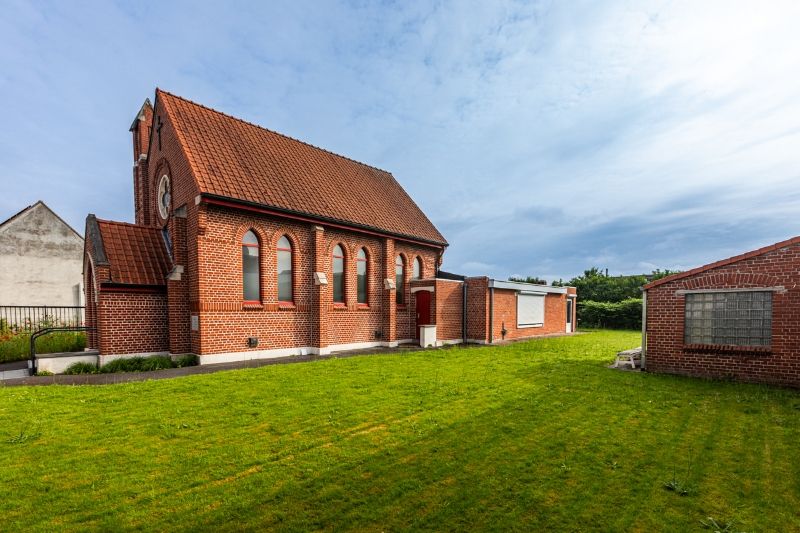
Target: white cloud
(541, 137)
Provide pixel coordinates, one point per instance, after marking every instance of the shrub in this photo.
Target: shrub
(626, 314)
(188, 359)
(137, 364)
(159, 362)
(130, 364)
(16, 347)
(81, 368)
(44, 373)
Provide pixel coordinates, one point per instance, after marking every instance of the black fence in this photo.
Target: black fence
(27, 318)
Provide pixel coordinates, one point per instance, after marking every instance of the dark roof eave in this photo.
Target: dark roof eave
(215, 198)
(109, 285)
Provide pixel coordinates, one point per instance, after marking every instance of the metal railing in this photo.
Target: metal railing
(30, 318)
(33, 366)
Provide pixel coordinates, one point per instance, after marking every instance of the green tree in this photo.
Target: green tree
(528, 279)
(611, 301)
(596, 286)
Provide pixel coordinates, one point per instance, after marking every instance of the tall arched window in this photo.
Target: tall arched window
(416, 272)
(250, 269)
(284, 270)
(399, 278)
(361, 271)
(338, 275)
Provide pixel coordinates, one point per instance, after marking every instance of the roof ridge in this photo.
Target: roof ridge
(237, 119)
(18, 213)
(724, 262)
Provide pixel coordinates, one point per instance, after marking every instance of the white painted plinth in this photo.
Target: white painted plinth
(427, 336)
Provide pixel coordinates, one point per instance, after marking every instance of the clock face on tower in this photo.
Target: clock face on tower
(164, 197)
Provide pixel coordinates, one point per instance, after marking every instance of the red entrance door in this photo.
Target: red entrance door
(423, 310)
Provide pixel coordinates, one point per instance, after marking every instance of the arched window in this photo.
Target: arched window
(338, 275)
(284, 270)
(399, 277)
(416, 272)
(250, 269)
(361, 271)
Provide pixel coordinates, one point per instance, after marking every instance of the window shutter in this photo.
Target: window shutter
(530, 309)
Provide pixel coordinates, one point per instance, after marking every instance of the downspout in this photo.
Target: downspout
(644, 329)
(491, 315)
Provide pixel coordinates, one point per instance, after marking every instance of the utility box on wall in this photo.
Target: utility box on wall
(427, 336)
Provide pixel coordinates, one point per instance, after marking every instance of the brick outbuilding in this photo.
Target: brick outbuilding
(736, 318)
(251, 244)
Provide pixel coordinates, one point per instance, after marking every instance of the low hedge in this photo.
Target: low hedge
(137, 364)
(626, 314)
(134, 364)
(80, 368)
(16, 347)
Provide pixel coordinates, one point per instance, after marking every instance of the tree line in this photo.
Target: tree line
(606, 301)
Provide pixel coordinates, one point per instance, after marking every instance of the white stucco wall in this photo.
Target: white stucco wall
(41, 260)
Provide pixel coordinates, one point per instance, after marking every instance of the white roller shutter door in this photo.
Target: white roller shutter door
(530, 310)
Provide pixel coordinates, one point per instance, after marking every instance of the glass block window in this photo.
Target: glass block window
(729, 318)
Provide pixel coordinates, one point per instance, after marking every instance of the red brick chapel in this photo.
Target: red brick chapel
(251, 244)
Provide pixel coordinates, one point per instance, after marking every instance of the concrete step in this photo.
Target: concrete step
(17, 369)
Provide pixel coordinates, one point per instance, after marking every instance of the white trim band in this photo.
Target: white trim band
(526, 287)
(779, 288)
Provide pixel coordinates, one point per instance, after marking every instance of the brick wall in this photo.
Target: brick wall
(505, 316)
(132, 322)
(407, 313)
(313, 318)
(448, 303)
(665, 322)
(478, 309)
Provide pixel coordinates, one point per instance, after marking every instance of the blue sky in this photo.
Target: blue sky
(541, 138)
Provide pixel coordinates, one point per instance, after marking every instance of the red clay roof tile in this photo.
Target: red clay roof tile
(235, 159)
(137, 255)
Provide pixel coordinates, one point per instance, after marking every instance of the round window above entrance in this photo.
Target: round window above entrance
(164, 197)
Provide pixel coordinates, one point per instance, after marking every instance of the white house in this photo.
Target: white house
(41, 259)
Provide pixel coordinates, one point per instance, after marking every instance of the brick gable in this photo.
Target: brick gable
(774, 268)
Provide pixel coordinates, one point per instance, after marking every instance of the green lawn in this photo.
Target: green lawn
(530, 436)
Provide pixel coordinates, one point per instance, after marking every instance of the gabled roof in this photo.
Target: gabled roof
(135, 255)
(723, 262)
(37, 204)
(234, 159)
